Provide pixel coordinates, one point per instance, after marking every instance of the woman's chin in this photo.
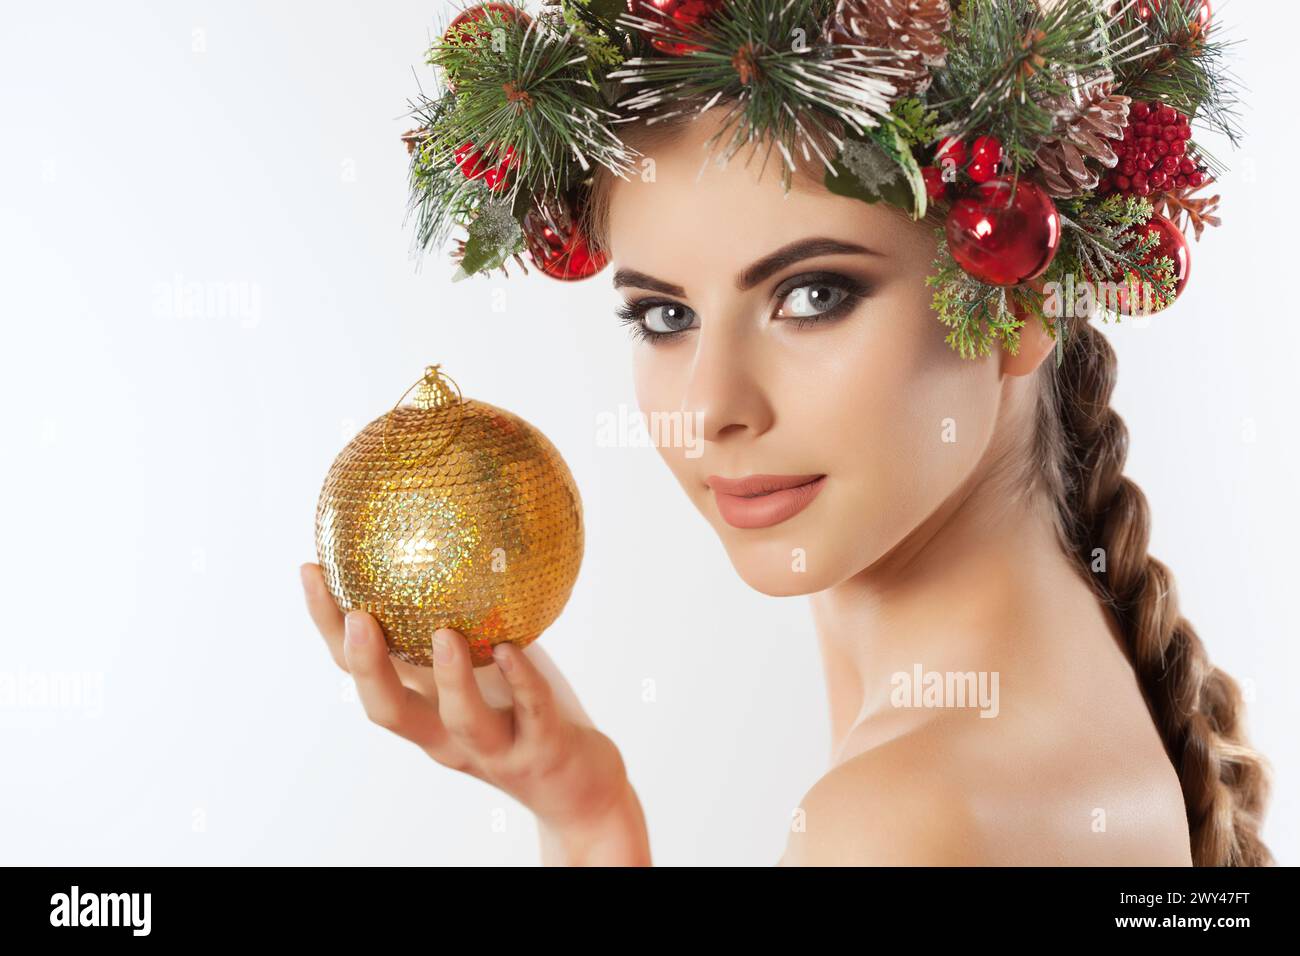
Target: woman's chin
(778, 569)
(783, 588)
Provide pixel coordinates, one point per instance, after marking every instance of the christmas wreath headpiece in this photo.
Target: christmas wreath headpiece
(1049, 140)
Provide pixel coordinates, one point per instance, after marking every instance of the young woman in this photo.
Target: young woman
(946, 515)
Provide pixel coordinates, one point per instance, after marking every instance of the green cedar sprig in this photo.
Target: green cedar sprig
(594, 25)
(917, 125)
(1103, 241)
(1093, 234)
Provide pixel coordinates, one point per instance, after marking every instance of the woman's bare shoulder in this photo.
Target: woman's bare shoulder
(953, 794)
(888, 806)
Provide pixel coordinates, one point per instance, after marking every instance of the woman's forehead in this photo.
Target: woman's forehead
(728, 218)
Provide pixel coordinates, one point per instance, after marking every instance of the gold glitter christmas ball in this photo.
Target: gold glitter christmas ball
(449, 512)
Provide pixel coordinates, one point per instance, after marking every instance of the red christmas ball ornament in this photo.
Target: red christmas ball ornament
(1004, 232)
(1172, 243)
(681, 16)
(470, 20)
(935, 187)
(558, 247)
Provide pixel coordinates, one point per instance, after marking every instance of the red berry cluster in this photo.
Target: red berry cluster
(979, 164)
(1153, 155)
(470, 161)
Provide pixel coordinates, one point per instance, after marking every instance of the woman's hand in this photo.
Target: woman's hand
(516, 725)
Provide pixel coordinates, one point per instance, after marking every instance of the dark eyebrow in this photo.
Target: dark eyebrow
(795, 252)
(756, 273)
(642, 281)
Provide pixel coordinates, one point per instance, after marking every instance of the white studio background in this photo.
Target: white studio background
(162, 464)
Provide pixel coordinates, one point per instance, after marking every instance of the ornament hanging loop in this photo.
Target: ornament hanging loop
(438, 393)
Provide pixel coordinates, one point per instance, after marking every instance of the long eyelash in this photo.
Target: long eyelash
(847, 305)
(632, 314)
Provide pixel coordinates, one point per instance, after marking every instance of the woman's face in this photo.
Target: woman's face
(796, 332)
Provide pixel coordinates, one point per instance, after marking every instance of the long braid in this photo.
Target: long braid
(1197, 708)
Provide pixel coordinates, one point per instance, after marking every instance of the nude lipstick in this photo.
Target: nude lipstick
(760, 501)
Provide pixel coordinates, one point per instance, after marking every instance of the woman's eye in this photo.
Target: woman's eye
(663, 319)
(812, 299)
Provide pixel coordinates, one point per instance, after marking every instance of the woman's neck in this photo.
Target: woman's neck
(947, 599)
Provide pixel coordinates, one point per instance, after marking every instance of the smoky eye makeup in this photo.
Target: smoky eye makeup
(815, 297)
(806, 299)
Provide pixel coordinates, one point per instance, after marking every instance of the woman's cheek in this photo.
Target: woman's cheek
(884, 470)
(911, 428)
(658, 383)
(949, 422)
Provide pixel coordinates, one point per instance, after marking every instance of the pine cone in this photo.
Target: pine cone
(912, 29)
(1084, 130)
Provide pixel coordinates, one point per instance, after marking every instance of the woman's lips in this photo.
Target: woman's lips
(760, 501)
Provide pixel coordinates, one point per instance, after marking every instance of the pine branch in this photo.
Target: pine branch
(536, 95)
(785, 85)
(527, 90)
(440, 195)
(1181, 65)
(1011, 57)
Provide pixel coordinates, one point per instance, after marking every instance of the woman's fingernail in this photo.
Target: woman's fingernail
(353, 632)
(441, 647)
(502, 657)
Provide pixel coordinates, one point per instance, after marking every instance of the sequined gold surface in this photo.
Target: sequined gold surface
(449, 512)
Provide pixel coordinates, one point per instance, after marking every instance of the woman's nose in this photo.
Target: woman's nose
(723, 390)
